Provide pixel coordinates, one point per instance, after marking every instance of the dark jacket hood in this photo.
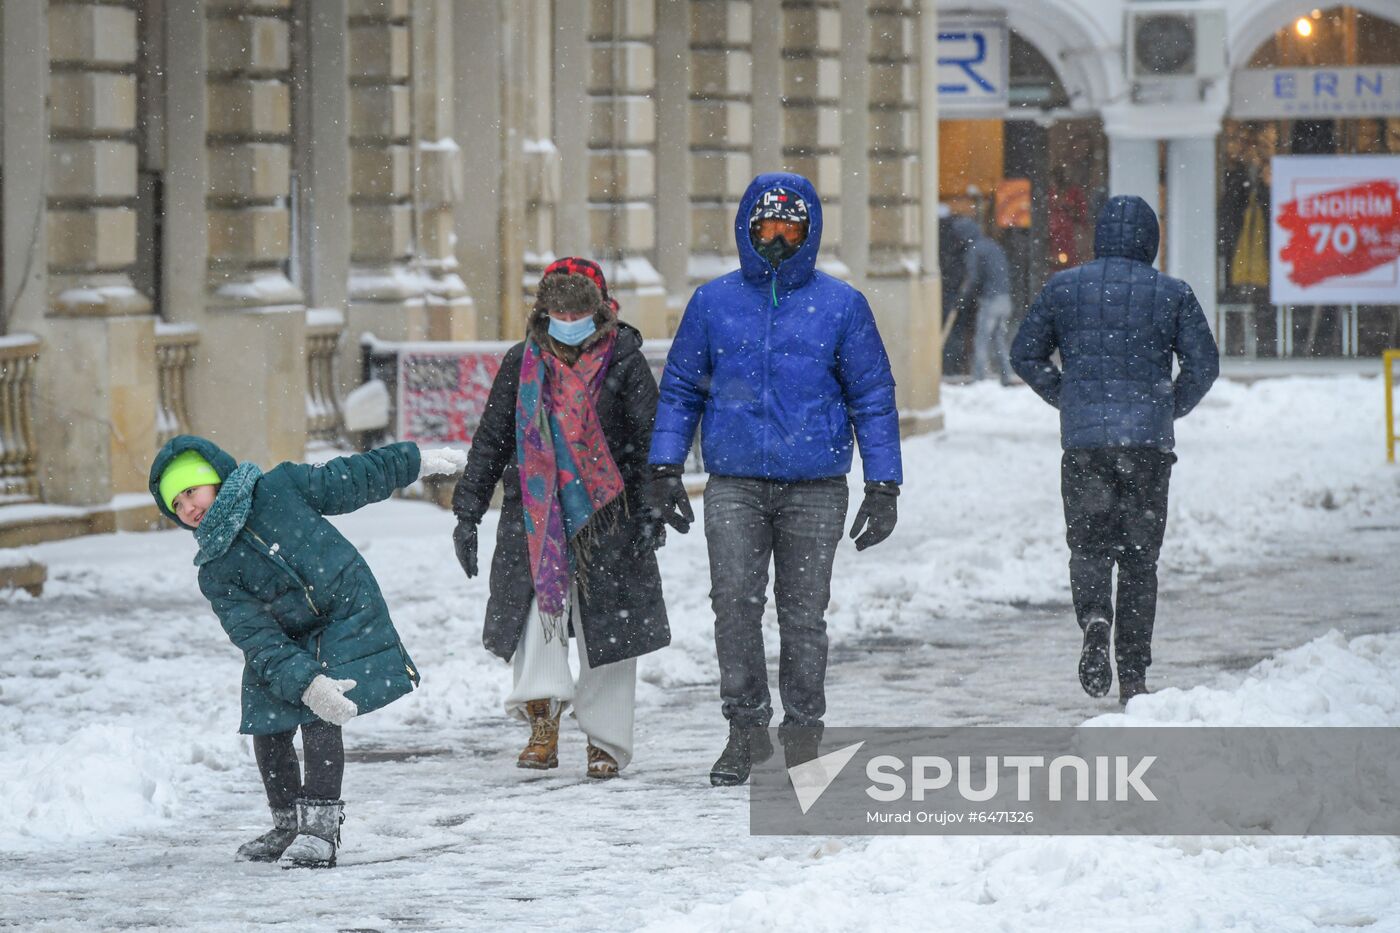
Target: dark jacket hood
(796, 269)
(1127, 227)
(965, 230)
(223, 464)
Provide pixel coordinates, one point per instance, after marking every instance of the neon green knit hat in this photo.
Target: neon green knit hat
(186, 470)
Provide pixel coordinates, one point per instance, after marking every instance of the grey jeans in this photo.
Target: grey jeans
(797, 526)
(993, 322)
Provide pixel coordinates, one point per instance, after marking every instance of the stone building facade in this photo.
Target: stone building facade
(206, 203)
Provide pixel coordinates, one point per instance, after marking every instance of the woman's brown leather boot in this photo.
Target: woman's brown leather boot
(543, 750)
(601, 765)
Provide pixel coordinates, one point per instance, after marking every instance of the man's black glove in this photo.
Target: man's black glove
(464, 543)
(665, 499)
(877, 515)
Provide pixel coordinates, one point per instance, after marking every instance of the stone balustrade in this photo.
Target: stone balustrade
(175, 347)
(19, 358)
(323, 333)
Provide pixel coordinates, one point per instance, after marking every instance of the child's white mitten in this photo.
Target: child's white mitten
(441, 461)
(327, 699)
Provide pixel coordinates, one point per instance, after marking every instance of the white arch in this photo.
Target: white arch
(1071, 35)
(1253, 22)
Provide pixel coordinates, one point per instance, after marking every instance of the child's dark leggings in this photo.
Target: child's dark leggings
(324, 752)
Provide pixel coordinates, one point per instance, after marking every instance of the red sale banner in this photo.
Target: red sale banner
(1336, 230)
(1342, 232)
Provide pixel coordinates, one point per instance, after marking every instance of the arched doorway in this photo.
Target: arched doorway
(1349, 36)
(1032, 177)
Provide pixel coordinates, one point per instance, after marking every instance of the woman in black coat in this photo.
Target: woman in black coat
(574, 552)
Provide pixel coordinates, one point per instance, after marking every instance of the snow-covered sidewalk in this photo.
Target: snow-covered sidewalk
(124, 790)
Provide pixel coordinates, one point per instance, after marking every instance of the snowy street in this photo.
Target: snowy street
(124, 788)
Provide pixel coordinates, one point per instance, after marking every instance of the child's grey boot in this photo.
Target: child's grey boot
(318, 834)
(270, 845)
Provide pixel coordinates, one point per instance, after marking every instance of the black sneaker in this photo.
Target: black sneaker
(1095, 671)
(746, 745)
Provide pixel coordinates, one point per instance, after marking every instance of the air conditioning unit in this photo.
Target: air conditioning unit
(1167, 40)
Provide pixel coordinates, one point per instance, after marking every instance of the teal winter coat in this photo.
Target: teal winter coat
(293, 594)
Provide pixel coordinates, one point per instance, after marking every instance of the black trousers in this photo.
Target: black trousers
(324, 751)
(1116, 514)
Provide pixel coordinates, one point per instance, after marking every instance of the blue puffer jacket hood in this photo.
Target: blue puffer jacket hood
(784, 374)
(1127, 227)
(794, 271)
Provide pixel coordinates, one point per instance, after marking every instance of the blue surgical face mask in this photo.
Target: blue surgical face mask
(572, 333)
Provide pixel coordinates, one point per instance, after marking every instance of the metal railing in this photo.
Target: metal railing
(19, 474)
(323, 417)
(175, 345)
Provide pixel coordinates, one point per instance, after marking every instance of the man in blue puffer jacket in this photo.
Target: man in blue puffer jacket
(1117, 323)
(780, 365)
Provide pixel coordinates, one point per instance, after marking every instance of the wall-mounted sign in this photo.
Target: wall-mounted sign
(973, 65)
(1322, 93)
(1336, 233)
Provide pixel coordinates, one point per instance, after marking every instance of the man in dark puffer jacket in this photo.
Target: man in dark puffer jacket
(1117, 322)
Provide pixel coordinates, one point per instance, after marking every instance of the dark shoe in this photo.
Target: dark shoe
(1095, 672)
(542, 752)
(1127, 689)
(746, 745)
(270, 845)
(318, 834)
(601, 765)
(800, 744)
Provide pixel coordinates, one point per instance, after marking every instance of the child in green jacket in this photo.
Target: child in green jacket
(301, 603)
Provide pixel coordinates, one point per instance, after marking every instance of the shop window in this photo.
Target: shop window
(1333, 37)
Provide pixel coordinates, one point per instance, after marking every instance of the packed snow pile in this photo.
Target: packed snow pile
(1327, 682)
(102, 779)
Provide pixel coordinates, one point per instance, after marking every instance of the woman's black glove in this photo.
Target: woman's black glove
(877, 515)
(464, 543)
(666, 501)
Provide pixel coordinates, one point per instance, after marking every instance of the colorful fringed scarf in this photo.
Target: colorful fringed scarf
(567, 473)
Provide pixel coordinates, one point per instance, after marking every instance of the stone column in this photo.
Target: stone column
(572, 52)
(541, 164)
(248, 379)
(1134, 167)
(721, 120)
(812, 111)
(322, 165)
(96, 388)
(894, 287)
(767, 86)
(514, 66)
(922, 395)
(855, 139)
(185, 220)
(439, 173)
(24, 127)
(1191, 205)
(479, 75)
(673, 147)
(622, 154)
(386, 295)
